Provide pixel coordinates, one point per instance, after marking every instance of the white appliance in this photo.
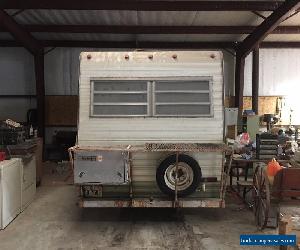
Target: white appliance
(10, 190)
(28, 183)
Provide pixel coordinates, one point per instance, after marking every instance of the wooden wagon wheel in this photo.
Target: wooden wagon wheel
(261, 197)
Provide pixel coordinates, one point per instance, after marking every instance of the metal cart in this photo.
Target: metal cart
(285, 188)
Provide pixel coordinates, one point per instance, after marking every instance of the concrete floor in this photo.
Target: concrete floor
(53, 221)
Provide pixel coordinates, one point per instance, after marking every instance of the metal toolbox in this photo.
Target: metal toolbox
(266, 146)
(101, 167)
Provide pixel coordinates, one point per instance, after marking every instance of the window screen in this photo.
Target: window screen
(119, 98)
(151, 97)
(182, 98)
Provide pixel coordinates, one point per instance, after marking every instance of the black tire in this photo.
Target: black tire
(171, 160)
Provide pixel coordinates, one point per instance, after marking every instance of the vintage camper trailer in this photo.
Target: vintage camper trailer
(150, 129)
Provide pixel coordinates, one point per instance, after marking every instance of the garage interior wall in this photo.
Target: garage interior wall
(17, 78)
(279, 73)
(278, 76)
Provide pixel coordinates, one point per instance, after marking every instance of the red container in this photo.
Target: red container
(2, 156)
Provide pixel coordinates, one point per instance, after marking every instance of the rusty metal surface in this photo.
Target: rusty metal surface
(154, 203)
(103, 203)
(225, 176)
(185, 147)
(160, 147)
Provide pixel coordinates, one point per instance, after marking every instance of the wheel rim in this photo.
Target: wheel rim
(261, 197)
(184, 179)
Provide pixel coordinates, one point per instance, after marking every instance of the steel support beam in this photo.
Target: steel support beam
(135, 29)
(40, 92)
(279, 45)
(143, 5)
(127, 45)
(239, 82)
(24, 37)
(255, 79)
(123, 29)
(267, 26)
(142, 45)
(146, 45)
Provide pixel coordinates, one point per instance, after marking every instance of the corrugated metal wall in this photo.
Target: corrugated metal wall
(279, 72)
(279, 76)
(16, 78)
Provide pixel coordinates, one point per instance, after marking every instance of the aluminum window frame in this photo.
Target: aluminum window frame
(93, 92)
(150, 93)
(209, 79)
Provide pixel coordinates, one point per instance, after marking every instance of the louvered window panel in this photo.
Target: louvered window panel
(182, 98)
(152, 97)
(119, 98)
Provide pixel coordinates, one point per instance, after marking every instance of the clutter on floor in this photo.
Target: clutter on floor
(265, 167)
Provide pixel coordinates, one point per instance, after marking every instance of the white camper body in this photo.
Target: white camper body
(130, 99)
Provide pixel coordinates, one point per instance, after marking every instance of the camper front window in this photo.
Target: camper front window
(150, 98)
